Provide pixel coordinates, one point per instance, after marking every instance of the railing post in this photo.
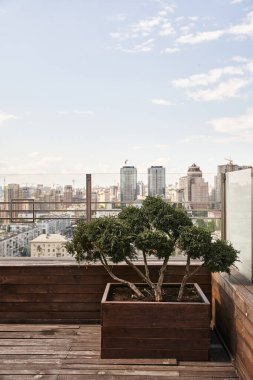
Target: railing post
(223, 206)
(88, 197)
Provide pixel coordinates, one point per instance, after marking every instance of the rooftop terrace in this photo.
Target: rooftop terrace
(50, 325)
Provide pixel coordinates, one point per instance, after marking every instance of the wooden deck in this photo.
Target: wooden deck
(69, 352)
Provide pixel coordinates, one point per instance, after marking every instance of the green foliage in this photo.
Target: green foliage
(221, 256)
(108, 236)
(155, 243)
(200, 223)
(195, 242)
(134, 218)
(162, 216)
(217, 256)
(153, 228)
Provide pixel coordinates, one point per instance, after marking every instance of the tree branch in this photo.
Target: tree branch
(138, 293)
(137, 270)
(196, 270)
(145, 264)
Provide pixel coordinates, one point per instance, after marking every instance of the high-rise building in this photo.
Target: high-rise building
(222, 169)
(128, 184)
(156, 181)
(193, 189)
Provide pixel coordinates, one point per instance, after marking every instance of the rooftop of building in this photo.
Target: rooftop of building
(49, 238)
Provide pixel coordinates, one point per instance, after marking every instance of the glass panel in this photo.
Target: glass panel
(239, 217)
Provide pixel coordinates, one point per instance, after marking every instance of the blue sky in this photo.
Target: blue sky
(85, 85)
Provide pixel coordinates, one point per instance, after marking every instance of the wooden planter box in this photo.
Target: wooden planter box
(155, 330)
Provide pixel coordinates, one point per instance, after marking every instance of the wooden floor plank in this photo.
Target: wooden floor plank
(69, 352)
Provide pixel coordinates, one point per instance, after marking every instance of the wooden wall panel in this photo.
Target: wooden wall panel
(32, 291)
(233, 316)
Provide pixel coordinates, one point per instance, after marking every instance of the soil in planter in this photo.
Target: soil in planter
(170, 294)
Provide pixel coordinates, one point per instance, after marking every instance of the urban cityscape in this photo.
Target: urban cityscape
(31, 216)
(126, 190)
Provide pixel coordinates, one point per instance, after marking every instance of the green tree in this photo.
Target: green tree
(152, 229)
(196, 243)
(23, 251)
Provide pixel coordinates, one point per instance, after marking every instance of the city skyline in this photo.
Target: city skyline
(77, 180)
(88, 85)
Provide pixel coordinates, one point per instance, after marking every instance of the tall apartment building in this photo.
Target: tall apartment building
(222, 169)
(193, 189)
(156, 181)
(128, 184)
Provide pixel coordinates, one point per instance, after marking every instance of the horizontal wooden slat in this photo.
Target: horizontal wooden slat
(172, 332)
(156, 343)
(27, 288)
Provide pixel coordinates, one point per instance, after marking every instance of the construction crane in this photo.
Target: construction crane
(229, 164)
(230, 161)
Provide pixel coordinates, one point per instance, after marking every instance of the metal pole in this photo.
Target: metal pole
(88, 197)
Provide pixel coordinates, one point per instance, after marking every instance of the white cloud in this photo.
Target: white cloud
(162, 102)
(146, 25)
(131, 37)
(219, 83)
(193, 18)
(171, 50)
(143, 47)
(245, 28)
(211, 77)
(197, 38)
(166, 29)
(238, 58)
(242, 124)
(5, 116)
(115, 35)
(225, 90)
(236, 1)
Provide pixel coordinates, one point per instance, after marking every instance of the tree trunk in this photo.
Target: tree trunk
(158, 288)
(185, 279)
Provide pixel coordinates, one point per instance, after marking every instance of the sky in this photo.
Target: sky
(86, 85)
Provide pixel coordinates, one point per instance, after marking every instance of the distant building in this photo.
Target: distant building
(193, 189)
(156, 181)
(47, 245)
(11, 193)
(15, 240)
(140, 190)
(68, 194)
(128, 184)
(222, 169)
